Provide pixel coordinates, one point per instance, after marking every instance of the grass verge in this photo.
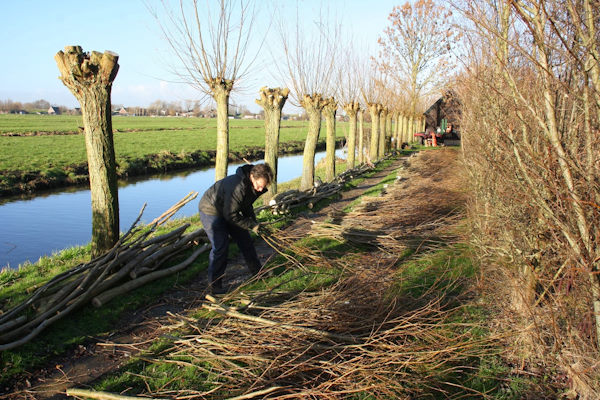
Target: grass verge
(90, 323)
(143, 145)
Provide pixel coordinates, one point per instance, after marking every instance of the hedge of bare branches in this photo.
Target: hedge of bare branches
(531, 140)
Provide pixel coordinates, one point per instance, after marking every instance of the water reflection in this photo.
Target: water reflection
(55, 220)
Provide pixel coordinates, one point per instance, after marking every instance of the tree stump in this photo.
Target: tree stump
(89, 77)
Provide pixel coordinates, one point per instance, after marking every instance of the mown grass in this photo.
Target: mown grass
(151, 136)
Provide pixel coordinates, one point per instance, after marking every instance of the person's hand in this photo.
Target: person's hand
(259, 228)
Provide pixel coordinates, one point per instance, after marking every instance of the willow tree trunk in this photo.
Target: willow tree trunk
(382, 132)
(313, 104)
(352, 110)
(329, 111)
(389, 134)
(375, 110)
(361, 136)
(89, 77)
(405, 134)
(397, 140)
(272, 101)
(220, 89)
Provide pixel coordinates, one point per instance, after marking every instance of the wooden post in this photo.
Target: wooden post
(89, 77)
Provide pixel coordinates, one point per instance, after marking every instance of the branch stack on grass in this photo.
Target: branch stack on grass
(370, 333)
(136, 259)
(412, 212)
(284, 203)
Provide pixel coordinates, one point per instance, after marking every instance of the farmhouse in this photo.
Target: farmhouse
(53, 110)
(446, 110)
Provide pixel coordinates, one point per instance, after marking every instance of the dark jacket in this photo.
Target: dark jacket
(232, 198)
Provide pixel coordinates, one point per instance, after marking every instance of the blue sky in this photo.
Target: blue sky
(33, 31)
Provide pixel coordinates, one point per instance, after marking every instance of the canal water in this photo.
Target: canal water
(56, 220)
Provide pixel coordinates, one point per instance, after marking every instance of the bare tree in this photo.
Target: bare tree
(211, 41)
(383, 128)
(349, 94)
(370, 93)
(89, 77)
(272, 102)
(309, 61)
(415, 48)
(329, 112)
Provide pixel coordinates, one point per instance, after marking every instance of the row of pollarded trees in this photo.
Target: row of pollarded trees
(211, 42)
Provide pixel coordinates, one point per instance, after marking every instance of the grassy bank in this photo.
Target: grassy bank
(91, 324)
(143, 145)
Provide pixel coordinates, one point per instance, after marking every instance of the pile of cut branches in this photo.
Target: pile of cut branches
(349, 338)
(136, 259)
(411, 213)
(285, 202)
(361, 336)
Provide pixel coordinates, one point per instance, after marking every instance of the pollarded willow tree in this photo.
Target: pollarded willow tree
(416, 48)
(272, 101)
(89, 77)
(348, 75)
(309, 67)
(329, 112)
(360, 141)
(211, 42)
(372, 97)
(383, 127)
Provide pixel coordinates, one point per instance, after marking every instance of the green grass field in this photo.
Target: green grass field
(134, 137)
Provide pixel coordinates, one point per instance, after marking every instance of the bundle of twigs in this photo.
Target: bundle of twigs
(137, 258)
(285, 202)
(332, 343)
(412, 213)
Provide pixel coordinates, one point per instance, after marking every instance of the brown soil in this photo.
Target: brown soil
(140, 327)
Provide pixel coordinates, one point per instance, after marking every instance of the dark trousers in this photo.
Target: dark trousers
(218, 231)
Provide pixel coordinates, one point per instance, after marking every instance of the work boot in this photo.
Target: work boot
(254, 268)
(217, 287)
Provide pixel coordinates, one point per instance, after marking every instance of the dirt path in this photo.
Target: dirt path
(139, 328)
